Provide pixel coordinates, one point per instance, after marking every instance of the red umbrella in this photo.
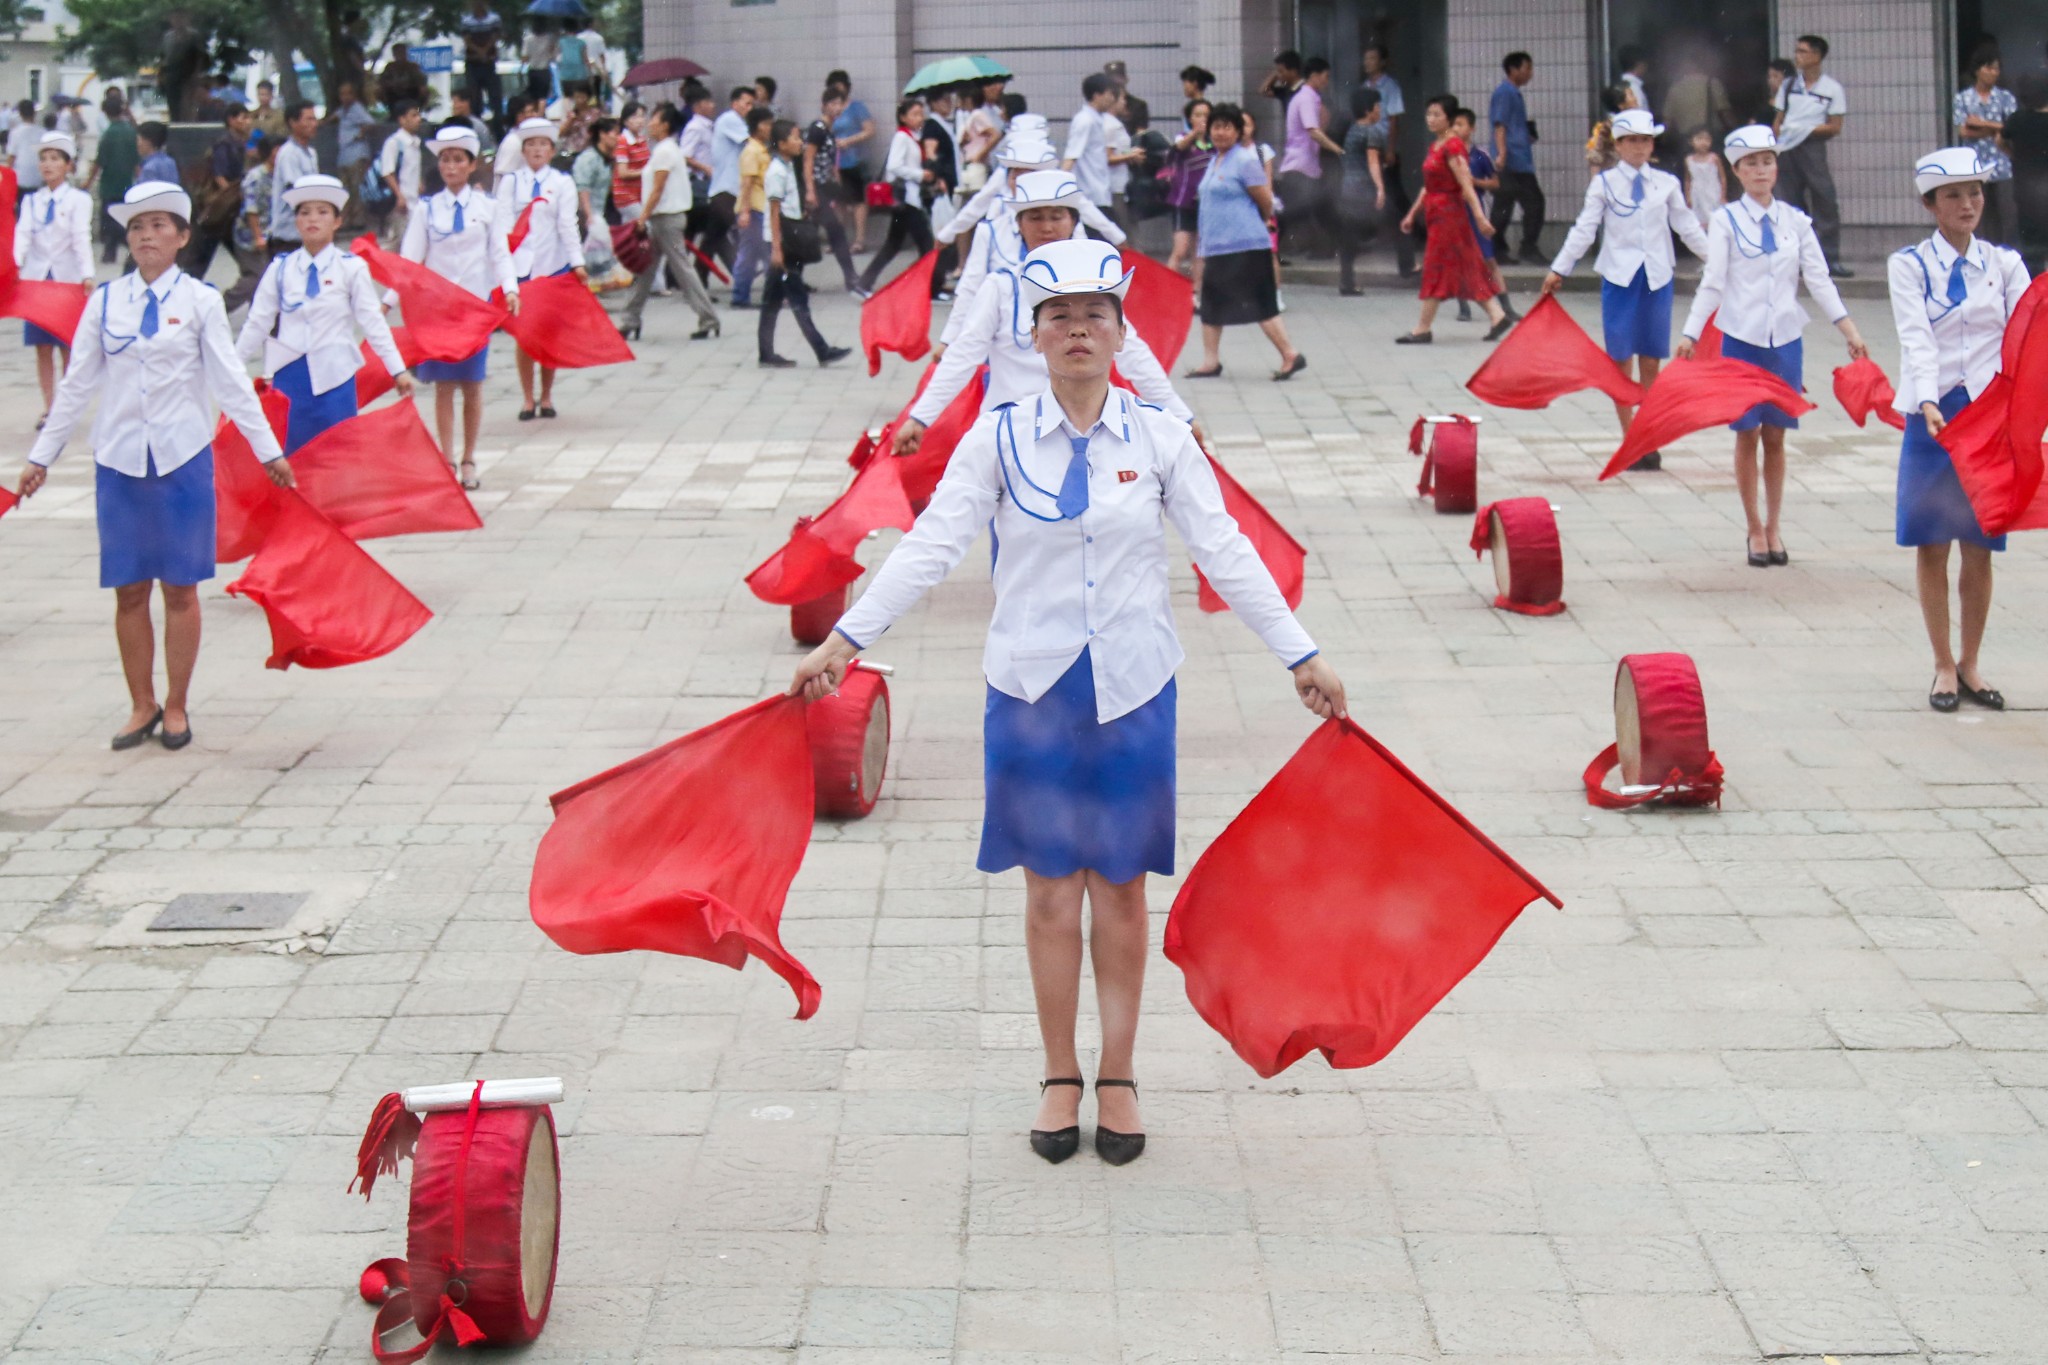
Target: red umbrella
(663, 69)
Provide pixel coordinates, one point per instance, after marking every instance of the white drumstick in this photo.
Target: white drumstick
(427, 1099)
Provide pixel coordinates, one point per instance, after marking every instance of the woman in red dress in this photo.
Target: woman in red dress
(1451, 264)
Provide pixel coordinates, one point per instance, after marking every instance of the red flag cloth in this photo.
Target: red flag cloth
(328, 602)
(819, 555)
(1862, 390)
(446, 321)
(1708, 347)
(515, 237)
(1281, 553)
(8, 501)
(866, 448)
(373, 381)
(561, 325)
(1547, 356)
(52, 306)
(380, 474)
(923, 469)
(1692, 395)
(1161, 302)
(1996, 442)
(244, 498)
(898, 317)
(1338, 908)
(689, 849)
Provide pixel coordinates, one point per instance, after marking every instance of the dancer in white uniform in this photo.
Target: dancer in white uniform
(53, 241)
(552, 245)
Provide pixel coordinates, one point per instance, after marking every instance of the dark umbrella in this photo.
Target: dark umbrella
(558, 9)
(663, 69)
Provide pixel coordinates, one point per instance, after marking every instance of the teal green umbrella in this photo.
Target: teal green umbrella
(953, 71)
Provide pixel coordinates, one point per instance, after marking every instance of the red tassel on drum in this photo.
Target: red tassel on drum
(389, 1139)
(1660, 722)
(1528, 561)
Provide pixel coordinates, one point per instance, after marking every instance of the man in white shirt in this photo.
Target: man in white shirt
(667, 193)
(1087, 153)
(398, 165)
(1810, 109)
(295, 161)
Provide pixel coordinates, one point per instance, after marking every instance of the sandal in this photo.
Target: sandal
(469, 478)
(1059, 1144)
(1118, 1149)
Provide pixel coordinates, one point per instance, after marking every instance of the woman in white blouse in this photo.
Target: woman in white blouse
(53, 241)
(908, 179)
(154, 345)
(1077, 483)
(1759, 250)
(1951, 297)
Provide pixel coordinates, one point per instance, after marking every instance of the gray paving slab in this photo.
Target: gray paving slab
(1772, 1085)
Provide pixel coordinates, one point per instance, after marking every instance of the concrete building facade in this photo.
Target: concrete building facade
(1898, 60)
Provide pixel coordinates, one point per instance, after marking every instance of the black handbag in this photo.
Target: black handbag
(803, 242)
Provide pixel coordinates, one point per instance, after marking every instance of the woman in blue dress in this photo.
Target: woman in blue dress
(1951, 297)
(154, 345)
(1077, 482)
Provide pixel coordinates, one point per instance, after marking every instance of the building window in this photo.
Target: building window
(35, 84)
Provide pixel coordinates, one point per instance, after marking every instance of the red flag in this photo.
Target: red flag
(380, 474)
(1996, 442)
(689, 849)
(515, 237)
(50, 305)
(923, 468)
(1547, 356)
(1862, 389)
(8, 501)
(446, 321)
(244, 498)
(10, 190)
(2026, 341)
(373, 381)
(1708, 347)
(1283, 555)
(1692, 395)
(819, 555)
(1162, 304)
(328, 602)
(898, 317)
(1338, 908)
(561, 324)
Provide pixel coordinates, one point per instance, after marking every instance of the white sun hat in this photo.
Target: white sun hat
(1063, 269)
(1027, 154)
(537, 127)
(1949, 166)
(452, 137)
(1044, 190)
(59, 142)
(151, 196)
(318, 189)
(1635, 123)
(1756, 137)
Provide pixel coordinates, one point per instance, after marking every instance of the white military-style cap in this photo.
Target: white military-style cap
(1029, 123)
(537, 127)
(1949, 166)
(1064, 269)
(152, 196)
(1756, 137)
(1044, 190)
(1026, 154)
(454, 137)
(317, 189)
(58, 142)
(1635, 123)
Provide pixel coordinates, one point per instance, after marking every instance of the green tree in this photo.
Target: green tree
(14, 17)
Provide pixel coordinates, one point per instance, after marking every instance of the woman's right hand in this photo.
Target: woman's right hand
(32, 476)
(1935, 421)
(818, 676)
(907, 437)
(1485, 228)
(1683, 350)
(1552, 282)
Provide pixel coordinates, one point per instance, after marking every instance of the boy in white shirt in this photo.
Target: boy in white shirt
(1810, 110)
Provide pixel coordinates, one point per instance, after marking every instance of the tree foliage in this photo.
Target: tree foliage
(16, 15)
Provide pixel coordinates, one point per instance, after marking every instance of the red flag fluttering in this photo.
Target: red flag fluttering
(244, 498)
(1161, 302)
(8, 501)
(380, 474)
(1547, 356)
(1996, 442)
(1862, 389)
(898, 317)
(1692, 395)
(373, 381)
(1338, 908)
(561, 325)
(50, 305)
(819, 555)
(924, 467)
(1282, 554)
(1708, 347)
(689, 849)
(329, 603)
(515, 236)
(446, 321)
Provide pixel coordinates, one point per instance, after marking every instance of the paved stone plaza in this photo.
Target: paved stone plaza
(1773, 1084)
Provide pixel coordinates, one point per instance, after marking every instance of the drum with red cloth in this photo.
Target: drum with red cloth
(483, 1228)
(631, 247)
(1660, 727)
(810, 623)
(1528, 562)
(849, 733)
(1450, 471)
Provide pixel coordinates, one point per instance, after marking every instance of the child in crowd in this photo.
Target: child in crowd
(792, 242)
(1706, 189)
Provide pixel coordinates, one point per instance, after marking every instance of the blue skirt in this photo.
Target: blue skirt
(312, 413)
(469, 371)
(1066, 792)
(159, 526)
(32, 335)
(1635, 318)
(1932, 507)
(1788, 362)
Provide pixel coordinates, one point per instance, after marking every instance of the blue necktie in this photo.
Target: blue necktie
(149, 321)
(536, 187)
(1073, 498)
(458, 215)
(1958, 288)
(312, 280)
(1635, 191)
(50, 210)
(1766, 238)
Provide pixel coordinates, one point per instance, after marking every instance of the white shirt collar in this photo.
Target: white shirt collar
(1117, 418)
(1752, 212)
(162, 288)
(1945, 255)
(325, 260)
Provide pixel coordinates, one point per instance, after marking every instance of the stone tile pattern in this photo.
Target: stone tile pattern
(1771, 1085)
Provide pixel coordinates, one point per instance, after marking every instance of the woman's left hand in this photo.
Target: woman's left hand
(280, 472)
(403, 382)
(1857, 349)
(512, 304)
(580, 273)
(32, 476)
(1485, 228)
(1319, 688)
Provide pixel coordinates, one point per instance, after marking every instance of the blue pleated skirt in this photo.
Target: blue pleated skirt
(1932, 507)
(312, 413)
(1636, 319)
(158, 527)
(472, 370)
(1066, 792)
(32, 335)
(1788, 362)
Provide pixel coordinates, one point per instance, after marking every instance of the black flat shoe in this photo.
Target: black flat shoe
(1780, 556)
(1118, 1149)
(1414, 339)
(1653, 460)
(1944, 702)
(1758, 559)
(1061, 1143)
(833, 355)
(776, 362)
(132, 739)
(1350, 293)
(546, 411)
(1990, 698)
(1216, 373)
(1300, 363)
(176, 739)
(526, 414)
(1499, 329)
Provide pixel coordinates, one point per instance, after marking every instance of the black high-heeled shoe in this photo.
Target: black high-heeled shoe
(1118, 1149)
(709, 329)
(631, 332)
(1059, 1144)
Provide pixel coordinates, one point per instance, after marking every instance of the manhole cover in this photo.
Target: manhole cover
(230, 910)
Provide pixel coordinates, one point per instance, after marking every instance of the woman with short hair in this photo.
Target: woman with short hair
(1236, 250)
